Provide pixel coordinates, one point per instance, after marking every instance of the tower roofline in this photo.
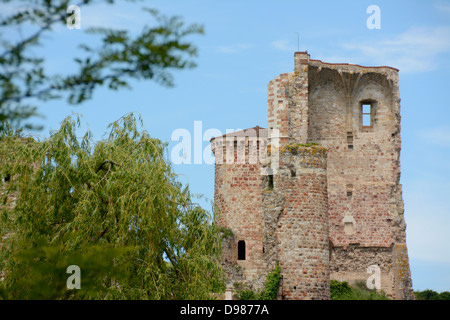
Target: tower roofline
(306, 55)
(250, 132)
(353, 65)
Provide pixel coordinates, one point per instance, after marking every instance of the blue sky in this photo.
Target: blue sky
(246, 44)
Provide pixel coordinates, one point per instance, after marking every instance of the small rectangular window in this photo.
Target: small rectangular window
(366, 108)
(367, 121)
(366, 115)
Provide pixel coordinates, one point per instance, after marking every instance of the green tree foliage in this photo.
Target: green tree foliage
(152, 54)
(340, 290)
(358, 291)
(114, 208)
(268, 292)
(432, 295)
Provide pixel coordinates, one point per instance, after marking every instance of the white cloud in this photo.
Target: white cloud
(233, 49)
(443, 7)
(439, 136)
(415, 50)
(283, 45)
(117, 16)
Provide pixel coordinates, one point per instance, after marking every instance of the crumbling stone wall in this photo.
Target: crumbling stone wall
(365, 202)
(323, 103)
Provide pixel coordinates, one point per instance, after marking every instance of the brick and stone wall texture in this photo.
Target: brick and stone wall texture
(364, 191)
(302, 229)
(238, 203)
(321, 102)
(278, 107)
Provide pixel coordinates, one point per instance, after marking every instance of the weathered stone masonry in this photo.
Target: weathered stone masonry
(329, 211)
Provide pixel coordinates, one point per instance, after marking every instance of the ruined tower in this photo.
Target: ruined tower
(332, 206)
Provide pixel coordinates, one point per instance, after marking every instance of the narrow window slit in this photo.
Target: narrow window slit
(350, 140)
(241, 250)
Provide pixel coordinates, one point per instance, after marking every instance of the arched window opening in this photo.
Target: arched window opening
(241, 250)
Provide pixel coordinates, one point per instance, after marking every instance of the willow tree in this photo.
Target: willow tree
(113, 208)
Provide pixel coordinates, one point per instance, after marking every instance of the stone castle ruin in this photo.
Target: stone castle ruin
(329, 205)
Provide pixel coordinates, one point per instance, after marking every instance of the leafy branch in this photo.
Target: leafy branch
(150, 55)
